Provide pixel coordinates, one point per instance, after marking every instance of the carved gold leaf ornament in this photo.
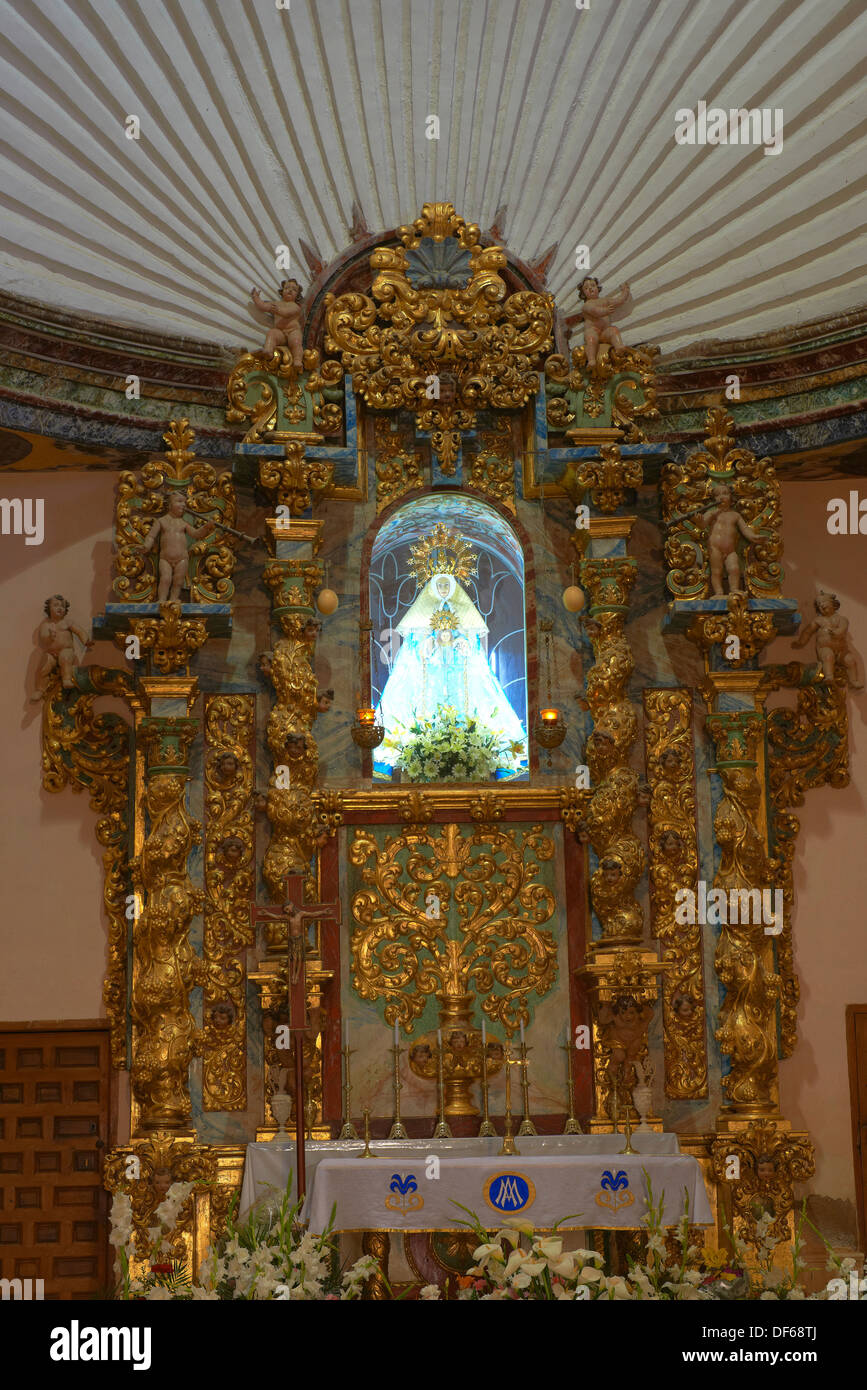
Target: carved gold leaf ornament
(403, 955)
(229, 724)
(753, 630)
(622, 387)
(687, 489)
(397, 467)
(165, 1036)
(143, 497)
(674, 865)
(262, 383)
(395, 340)
(89, 751)
(807, 747)
(171, 640)
(771, 1161)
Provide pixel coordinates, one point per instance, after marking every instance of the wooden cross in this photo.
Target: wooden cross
(297, 914)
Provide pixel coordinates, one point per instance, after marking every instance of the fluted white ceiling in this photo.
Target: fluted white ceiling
(262, 126)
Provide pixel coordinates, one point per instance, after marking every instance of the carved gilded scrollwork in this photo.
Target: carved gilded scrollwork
(807, 747)
(229, 722)
(491, 470)
(170, 640)
(605, 817)
(397, 468)
(160, 1160)
(771, 1161)
(620, 392)
(267, 390)
(671, 819)
(166, 968)
(142, 498)
(402, 954)
(623, 990)
(444, 313)
(747, 1020)
(293, 480)
(89, 751)
(753, 630)
(687, 493)
(608, 478)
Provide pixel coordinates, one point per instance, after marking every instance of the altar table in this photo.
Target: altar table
(604, 1191)
(582, 1177)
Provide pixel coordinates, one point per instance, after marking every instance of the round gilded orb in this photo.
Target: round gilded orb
(327, 601)
(573, 599)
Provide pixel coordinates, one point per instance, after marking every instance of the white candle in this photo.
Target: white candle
(346, 1032)
(522, 1032)
(396, 1041)
(484, 1035)
(439, 1038)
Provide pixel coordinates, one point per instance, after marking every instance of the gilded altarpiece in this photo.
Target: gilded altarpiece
(238, 791)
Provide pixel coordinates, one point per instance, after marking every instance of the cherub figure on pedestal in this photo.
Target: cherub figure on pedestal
(288, 320)
(623, 1027)
(56, 640)
(171, 531)
(833, 641)
(598, 315)
(723, 523)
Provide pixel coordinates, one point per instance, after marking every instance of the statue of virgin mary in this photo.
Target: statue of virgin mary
(442, 663)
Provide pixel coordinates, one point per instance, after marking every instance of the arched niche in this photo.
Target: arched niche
(496, 592)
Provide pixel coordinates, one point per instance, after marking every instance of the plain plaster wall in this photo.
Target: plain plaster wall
(53, 927)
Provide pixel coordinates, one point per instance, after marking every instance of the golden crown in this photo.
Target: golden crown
(442, 619)
(442, 552)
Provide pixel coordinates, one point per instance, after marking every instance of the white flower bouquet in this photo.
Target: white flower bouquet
(451, 748)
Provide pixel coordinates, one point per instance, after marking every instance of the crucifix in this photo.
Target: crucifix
(297, 914)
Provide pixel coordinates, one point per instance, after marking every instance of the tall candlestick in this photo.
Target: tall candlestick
(348, 1131)
(397, 1130)
(509, 1146)
(366, 1152)
(572, 1125)
(442, 1130)
(526, 1126)
(486, 1129)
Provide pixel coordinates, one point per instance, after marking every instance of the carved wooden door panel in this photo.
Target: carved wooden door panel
(54, 1113)
(856, 1034)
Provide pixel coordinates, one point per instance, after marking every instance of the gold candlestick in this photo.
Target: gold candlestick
(627, 1130)
(348, 1131)
(442, 1130)
(527, 1126)
(397, 1130)
(572, 1125)
(486, 1129)
(509, 1146)
(366, 1151)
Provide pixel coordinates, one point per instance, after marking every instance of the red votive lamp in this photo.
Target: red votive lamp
(549, 716)
(365, 716)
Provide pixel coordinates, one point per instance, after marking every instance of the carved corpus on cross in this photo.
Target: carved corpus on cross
(297, 914)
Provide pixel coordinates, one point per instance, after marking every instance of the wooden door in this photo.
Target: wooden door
(54, 1116)
(856, 1038)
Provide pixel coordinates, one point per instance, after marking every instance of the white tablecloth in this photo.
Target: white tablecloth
(587, 1190)
(268, 1166)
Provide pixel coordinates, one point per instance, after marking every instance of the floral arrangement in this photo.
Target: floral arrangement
(673, 1269)
(270, 1256)
(450, 748)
